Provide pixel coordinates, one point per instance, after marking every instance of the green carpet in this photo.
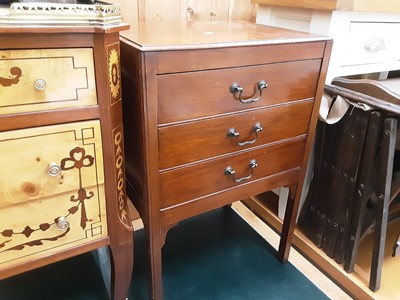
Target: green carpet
(218, 256)
(213, 256)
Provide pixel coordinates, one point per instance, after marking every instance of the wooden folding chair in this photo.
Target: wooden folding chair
(374, 187)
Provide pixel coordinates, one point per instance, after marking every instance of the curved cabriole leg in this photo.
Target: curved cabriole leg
(120, 228)
(121, 256)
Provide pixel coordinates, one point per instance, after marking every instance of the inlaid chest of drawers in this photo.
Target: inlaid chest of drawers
(62, 187)
(214, 113)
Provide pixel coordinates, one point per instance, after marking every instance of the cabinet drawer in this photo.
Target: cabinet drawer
(192, 95)
(189, 142)
(218, 58)
(371, 43)
(193, 182)
(34, 80)
(50, 173)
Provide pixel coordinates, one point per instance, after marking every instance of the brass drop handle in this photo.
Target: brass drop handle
(231, 172)
(232, 133)
(53, 169)
(40, 84)
(236, 88)
(62, 224)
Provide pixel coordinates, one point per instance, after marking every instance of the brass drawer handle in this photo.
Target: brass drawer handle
(233, 133)
(231, 172)
(236, 88)
(62, 224)
(53, 169)
(40, 84)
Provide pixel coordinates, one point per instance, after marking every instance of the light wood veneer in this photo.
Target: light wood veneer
(62, 183)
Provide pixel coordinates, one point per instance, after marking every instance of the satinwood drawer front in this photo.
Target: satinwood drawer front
(52, 190)
(191, 95)
(43, 79)
(192, 141)
(194, 181)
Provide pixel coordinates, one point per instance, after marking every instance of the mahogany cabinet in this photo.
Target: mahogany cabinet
(216, 112)
(62, 187)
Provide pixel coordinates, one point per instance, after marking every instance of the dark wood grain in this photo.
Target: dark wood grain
(172, 215)
(188, 142)
(192, 182)
(33, 119)
(45, 40)
(185, 96)
(290, 219)
(204, 59)
(178, 109)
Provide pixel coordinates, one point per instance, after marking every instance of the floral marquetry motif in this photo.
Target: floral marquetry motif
(123, 212)
(77, 160)
(38, 242)
(114, 72)
(14, 71)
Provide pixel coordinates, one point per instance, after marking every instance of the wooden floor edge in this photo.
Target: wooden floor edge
(339, 284)
(325, 284)
(350, 282)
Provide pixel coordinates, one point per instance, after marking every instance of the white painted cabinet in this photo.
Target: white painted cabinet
(364, 42)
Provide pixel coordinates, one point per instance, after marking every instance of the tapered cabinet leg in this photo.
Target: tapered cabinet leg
(154, 245)
(288, 225)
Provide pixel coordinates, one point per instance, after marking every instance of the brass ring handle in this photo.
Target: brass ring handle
(236, 88)
(53, 169)
(231, 172)
(40, 84)
(233, 133)
(62, 224)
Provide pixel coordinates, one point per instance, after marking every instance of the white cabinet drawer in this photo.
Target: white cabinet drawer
(372, 43)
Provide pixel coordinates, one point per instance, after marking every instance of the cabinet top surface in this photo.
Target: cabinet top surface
(175, 35)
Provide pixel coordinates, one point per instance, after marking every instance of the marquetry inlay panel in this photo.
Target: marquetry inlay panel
(34, 80)
(61, 176)
(114, 71)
